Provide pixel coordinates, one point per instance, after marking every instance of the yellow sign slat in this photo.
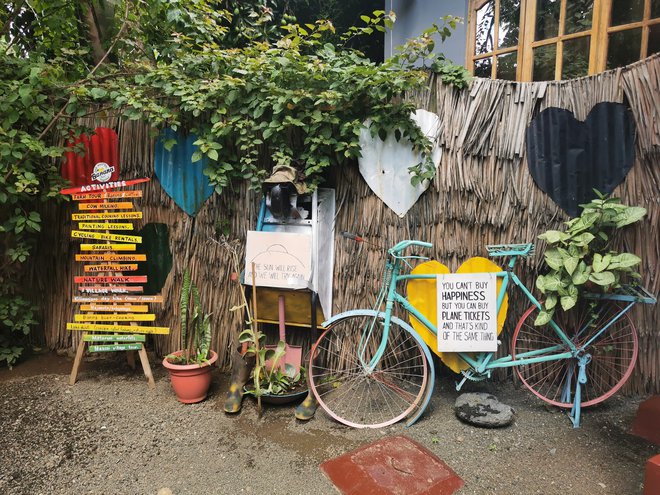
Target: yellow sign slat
(120, 205)
(116, 308)
(107, 215)
(120, 317)
(79, 234)
(107, 247)
(111, 257)
(105, 226)
(111, 268)
(93, 327)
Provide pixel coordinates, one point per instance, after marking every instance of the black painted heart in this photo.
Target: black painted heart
(568, 158)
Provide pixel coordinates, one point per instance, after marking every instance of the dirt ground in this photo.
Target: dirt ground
(109, 434)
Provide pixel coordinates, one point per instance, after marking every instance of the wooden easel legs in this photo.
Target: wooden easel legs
(144, 360)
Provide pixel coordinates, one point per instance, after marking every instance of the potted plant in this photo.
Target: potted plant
(190, 367)
(581, 256)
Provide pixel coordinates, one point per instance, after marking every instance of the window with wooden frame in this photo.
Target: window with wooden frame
(537, 40)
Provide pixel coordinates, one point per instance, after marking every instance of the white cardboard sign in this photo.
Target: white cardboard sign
(467, 312)
(281, 259)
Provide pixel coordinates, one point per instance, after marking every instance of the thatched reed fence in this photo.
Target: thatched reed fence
(483, 194)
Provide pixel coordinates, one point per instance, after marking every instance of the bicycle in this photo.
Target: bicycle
(370, 368)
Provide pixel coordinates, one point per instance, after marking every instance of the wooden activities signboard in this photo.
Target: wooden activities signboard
(112, 318)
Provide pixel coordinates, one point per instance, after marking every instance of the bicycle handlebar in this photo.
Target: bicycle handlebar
(406, 244)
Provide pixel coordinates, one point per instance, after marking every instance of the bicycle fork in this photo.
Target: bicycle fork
(574, 416)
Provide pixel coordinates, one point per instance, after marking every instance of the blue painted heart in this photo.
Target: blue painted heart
(569, 158)
(181, 178)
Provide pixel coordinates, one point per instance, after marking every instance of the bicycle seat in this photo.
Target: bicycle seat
(499, 250)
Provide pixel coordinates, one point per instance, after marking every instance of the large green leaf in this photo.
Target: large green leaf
(601, 262)
(570, 264)
(630, 215)
(553, 236)
(603, 278)
(554, 259)
(624, 260)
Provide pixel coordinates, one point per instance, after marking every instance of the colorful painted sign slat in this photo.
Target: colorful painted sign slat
(107, 215)
(111, 317)
(110, 289)
(105, 226)
(116, 308)
(111, 257)
(111, 268)
(107, 247)
(122, 205)
(114, 347)
(118, 299)
(99, 236)
(102, 187)
(95, 337)
(129, 279)
(93, 327)
(106, 195)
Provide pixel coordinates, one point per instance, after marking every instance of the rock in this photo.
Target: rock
(481, 409)
(164, 491)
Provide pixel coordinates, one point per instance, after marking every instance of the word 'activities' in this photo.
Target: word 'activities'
(110, 320)
(467, 312)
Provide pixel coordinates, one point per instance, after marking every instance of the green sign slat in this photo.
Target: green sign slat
(115, 338)
(115, 347)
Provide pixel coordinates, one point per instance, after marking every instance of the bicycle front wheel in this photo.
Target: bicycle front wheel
(613, 354)
(353, 394)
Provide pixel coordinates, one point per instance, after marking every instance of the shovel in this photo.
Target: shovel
(292, 353)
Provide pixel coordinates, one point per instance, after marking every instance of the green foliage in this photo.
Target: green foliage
(195, 326)
(267, 376)
(581, 255)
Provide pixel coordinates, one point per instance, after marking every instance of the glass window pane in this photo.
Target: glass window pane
(624, 48)
(507, 65)
(544, 62)
(482, 67)
(655, 9)
(575, 57)
(626, 11)
(509, 23)
(547, 19)
(485, 28)
(578, 16)
(654, 39)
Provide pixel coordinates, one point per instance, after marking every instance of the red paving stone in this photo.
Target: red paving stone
(392, 466)
(652, 476)
(647, 420)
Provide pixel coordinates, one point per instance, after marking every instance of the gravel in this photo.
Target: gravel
(109, 434)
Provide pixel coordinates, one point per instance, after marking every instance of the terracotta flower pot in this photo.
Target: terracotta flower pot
(190, 382)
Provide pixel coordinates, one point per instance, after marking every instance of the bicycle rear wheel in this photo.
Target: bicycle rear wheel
(351, 394)
(613, 354)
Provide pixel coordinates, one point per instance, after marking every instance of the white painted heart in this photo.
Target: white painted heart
(384, 164)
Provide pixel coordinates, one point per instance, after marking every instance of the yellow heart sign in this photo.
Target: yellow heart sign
(422, 294)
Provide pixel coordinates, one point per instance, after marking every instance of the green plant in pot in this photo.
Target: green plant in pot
(581, 257)
(190, 367)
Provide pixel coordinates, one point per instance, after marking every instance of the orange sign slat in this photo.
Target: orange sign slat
(130, 279)
(106, 195)
(116, 308)
(111, 257)
(111, 268)
(107, 247)
(110, 289)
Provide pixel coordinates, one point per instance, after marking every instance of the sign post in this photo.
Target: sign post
(110, 316)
